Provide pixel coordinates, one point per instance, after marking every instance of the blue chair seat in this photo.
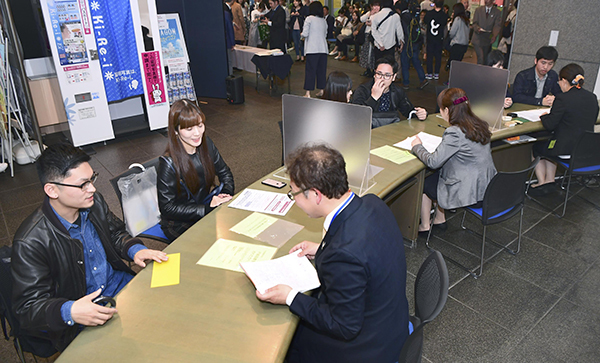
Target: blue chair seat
(155, 231)
(590, 169)
(479, 212)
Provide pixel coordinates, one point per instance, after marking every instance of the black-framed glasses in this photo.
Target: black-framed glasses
(386, 76)
(293, 195)
(83, 186)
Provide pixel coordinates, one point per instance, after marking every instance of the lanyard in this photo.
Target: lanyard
(341, 208)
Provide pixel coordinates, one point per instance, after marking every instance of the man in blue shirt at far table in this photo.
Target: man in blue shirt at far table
(69, 251)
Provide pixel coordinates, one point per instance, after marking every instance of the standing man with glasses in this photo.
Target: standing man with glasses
(360, 312)
(69, 251)
(384, 97)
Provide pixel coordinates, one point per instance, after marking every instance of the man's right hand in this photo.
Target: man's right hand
(87, 313)
(309, 249)
(378, 88)
(548, 100)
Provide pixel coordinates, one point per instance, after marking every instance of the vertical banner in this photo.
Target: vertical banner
(154, 78)
(115, 40)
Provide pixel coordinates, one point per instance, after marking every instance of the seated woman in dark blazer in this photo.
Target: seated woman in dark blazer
(464, 156)
(187, 170)
(573, 112)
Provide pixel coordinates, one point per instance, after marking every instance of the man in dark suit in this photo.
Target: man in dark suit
(330, 22)
(360, 312)
(487, 23)
(277, 23)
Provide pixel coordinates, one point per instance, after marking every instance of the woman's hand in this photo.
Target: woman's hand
(507, 102)
(416, 141)
(217, 200)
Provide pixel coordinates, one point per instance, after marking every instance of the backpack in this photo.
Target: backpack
(507, 30)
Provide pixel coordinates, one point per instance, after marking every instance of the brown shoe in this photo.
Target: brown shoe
(344, 58)
(354, 60)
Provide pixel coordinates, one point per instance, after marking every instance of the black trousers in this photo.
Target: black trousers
(434, 50)
(457, 52)
(316, 67)
(380, 54)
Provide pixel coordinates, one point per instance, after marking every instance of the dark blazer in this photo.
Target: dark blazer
(330, 26)
(572, 113)
(360, 312)
(525, 87)
(299, 17)
(278, 32)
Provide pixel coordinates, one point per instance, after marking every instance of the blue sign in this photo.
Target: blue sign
(115, 38)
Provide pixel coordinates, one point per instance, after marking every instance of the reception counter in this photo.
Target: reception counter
(213, 315)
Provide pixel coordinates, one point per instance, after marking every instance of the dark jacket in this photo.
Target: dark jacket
(330, 26)
(400, 103)
(179, 209)
(525, 87)
(48, 267)
(360, 312)
(278, 31)
(572, 113)
(300, 19)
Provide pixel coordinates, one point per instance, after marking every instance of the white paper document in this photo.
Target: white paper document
(263, 202)
(430, 142)
(296, 272)
(532, 115)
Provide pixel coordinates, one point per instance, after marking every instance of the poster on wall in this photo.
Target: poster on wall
(115, 40)
(154, 79)
(78, 70)
(172, 42)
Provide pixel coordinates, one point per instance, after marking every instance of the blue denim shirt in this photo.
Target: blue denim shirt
(99, 274)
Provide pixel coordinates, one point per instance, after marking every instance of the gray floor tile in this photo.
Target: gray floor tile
(17, 216)
(569, 333)
(586, 291)
(18, 198)
(506, 299)
(543, 266)
(459, 334)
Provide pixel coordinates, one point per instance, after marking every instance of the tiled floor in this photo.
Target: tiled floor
(539, 306)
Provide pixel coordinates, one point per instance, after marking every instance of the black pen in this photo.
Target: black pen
(442, 126)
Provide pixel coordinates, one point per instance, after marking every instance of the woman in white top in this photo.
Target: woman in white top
(253, 36)
(314, 33)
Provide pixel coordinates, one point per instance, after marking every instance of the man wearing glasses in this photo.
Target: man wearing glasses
(69, 251)
(360, 312)
(384, 97)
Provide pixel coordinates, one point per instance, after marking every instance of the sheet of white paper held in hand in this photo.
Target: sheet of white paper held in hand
(296, 272)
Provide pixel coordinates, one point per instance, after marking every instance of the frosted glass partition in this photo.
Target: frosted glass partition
(344, 126)
(486, 88)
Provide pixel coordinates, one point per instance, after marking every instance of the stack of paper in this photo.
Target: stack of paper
(430, 142)
(296, 272)
(392, 154)
(533, 115)
(263, 202)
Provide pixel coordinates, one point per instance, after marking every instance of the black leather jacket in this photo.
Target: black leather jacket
(178, 210)
(400, 103)
(48, 267)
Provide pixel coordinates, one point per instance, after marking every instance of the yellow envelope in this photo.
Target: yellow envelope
(166, 273)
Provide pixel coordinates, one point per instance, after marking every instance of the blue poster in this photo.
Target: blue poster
(117, 51)
(68, 33)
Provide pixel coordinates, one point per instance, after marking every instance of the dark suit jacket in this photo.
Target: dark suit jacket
(525, 87)
(572, 113)
(330, 26)
(360, 312)
(278, 32)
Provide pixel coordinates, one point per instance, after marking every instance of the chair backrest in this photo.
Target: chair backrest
(413, 347)
(431, 287)
(132, 170)
(586, 152)
(506, 190)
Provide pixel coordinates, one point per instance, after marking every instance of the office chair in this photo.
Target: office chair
(23, 343)
(431, 293)
(585, 160)
(154, 232)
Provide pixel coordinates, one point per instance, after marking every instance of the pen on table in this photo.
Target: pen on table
(442, 126)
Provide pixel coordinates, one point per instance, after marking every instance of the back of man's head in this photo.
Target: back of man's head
(387, 60)
(547, 52)
(320, 167)
(58, 160)
(439, 4)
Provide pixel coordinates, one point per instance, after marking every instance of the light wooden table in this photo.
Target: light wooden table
(213, 314)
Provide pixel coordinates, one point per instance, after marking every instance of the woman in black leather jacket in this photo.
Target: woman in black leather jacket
(187, 170)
